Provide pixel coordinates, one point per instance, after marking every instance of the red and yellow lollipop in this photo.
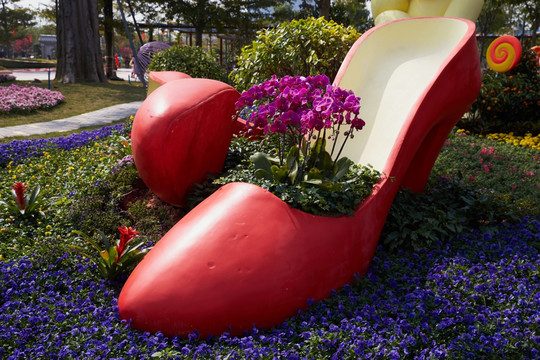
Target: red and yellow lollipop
(503, 53)
(536, 49)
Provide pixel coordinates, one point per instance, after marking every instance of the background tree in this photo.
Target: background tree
(77, 35)
(151, 14)
(108, 34)
(305, 10)
(201, 14)
(353, 13)
(283, 12)
(243, 18)
(492, 18)
(528, 11)
(323, 8)
(12, 22)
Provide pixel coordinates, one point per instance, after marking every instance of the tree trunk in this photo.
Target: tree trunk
(6, 29)
(198, 36)
(535, 23)
(78, 48)
(108, 33)
(323, 6)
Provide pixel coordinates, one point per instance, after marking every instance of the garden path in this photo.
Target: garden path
(93, 118)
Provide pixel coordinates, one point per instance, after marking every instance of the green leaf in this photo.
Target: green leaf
(318, 146)
(343, 166)
(292, 163)
(14, 195)
(314, 174)
(325, 163)
(263, 174)
(293, 173)
(111, 255)
(104, 238)
(261, 161)
(292, 156)
(34, 195)
(280, 174)
(88, 239)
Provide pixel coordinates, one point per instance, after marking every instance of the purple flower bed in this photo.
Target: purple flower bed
(18, 98)
(18, 150)
(476, 297)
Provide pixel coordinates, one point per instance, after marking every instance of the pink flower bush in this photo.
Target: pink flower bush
(304, 112)
(301, 105)
(18, 98)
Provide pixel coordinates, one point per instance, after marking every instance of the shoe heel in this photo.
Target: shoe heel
(418, 172)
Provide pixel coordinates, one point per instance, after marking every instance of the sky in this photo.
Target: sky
(33, 4)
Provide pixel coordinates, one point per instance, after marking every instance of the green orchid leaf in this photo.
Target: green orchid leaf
(280, 174)
(325, 164)
(263, 166)
(292, 163)
(263, 174)
(292, 157)
(314, 174)
(293, 173)
(343, 166)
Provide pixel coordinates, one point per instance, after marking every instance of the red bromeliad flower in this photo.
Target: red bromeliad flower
(19, 189)
(126, 235)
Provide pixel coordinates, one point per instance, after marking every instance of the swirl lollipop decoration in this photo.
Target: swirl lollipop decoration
(536, 49)
(504, 53)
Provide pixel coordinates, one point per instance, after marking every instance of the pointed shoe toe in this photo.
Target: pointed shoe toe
(243, 258)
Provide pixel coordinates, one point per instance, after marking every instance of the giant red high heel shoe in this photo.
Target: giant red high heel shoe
(243, 258)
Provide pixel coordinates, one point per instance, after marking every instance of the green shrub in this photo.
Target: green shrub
(448, 207)
(508, 102)
(191, 60)
(504, 171)
(475, 183)
(153, 218)
(302, 47)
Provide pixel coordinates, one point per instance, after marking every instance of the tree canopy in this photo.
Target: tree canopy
(13, 22)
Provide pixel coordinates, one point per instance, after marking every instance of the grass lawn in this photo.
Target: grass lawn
(80, 98)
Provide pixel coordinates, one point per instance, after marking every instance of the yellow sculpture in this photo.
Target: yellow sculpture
(387, 10)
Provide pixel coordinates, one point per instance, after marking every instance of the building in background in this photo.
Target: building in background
(48, 46)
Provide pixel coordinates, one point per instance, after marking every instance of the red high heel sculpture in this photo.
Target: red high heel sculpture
(243, 258)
